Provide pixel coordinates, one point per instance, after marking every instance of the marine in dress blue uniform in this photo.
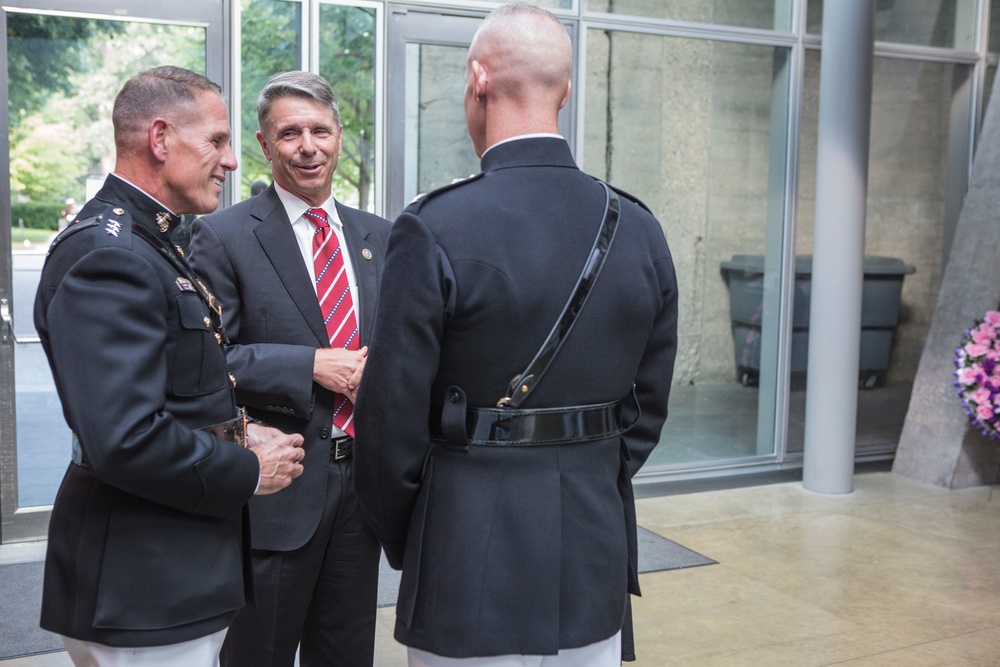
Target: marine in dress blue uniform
(514, 546)
(147, 540)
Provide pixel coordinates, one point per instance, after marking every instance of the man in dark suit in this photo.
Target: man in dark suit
(297, 355)
(515, 528)
(146, 551)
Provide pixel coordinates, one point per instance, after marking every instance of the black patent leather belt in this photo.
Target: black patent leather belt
(504, 427)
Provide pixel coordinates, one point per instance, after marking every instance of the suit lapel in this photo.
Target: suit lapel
(275, 235)
(356, 235)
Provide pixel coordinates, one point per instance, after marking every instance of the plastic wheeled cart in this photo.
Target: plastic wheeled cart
(880, 303)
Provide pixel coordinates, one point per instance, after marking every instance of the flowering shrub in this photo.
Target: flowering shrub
(977, 362)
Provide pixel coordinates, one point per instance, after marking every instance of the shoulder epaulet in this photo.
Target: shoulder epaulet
(77, 225)
(630, 197)
(115, 224)
(117, 227)
(420, 200)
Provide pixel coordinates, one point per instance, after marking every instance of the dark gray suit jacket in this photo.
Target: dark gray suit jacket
(248, 256)
(512, 549)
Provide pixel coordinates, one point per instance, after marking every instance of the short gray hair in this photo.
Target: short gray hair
(295, 84)
(153, 91)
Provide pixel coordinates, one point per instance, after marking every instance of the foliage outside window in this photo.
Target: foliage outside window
(63, 76)
(272, 43)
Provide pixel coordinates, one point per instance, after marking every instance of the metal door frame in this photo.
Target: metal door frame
(452, 27)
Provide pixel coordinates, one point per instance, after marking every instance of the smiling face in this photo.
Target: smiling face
(302, 141)
(199, 155)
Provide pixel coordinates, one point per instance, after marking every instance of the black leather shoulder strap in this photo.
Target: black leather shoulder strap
(524, 383)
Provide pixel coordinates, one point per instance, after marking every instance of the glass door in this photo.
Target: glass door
(63, 63)
(427, 139)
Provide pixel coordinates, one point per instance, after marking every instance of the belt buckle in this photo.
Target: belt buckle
(342, 448)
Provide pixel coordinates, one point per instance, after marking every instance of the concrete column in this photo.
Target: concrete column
(839, 245)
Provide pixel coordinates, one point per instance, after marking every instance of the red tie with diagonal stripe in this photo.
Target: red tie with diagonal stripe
(335, 302)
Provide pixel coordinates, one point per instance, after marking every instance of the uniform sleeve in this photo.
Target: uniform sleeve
(391, 414)
(267, 374)
(107, 332)
(656, 369)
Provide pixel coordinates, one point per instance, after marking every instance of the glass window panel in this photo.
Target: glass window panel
(61, 149)
(994, 33)
(438, 149)
(764, 14)
(949, 24)
(691, 128)
(271, 43)
(911, 131)
(347, 62)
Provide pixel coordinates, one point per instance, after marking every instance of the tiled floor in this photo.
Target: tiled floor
(894, 574)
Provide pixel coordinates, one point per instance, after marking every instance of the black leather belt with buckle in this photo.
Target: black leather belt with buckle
(543, 426)
(340, 448)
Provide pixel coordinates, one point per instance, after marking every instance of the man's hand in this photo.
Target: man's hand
(279, 455)
(339, 370)
(355, 381)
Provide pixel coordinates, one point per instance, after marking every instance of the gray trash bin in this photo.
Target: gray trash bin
(880, 299)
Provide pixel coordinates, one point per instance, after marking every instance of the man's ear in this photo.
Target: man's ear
(263, 145)
(480, 81)
(159, 139)
(565, 99)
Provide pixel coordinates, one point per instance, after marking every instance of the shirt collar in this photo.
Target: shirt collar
(296, 208)
(536, 135)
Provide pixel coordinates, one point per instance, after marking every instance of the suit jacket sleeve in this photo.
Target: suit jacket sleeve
(266, 374)
(107, 330)
(402, 363)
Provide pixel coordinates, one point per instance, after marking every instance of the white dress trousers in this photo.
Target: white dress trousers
(605, 653)
(201, 652)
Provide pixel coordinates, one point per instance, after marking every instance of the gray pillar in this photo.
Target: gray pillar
(839, 245)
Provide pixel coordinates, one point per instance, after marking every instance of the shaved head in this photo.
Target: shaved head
(526, 49)
(517, 75)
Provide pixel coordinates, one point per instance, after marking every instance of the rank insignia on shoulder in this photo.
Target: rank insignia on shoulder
(184, 285)
(113, 227)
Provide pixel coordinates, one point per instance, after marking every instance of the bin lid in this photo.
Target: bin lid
(873, 265)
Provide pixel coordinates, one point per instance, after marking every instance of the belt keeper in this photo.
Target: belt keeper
(453, 415)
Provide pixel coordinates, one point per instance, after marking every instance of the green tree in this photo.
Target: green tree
(43, 52)
(270, 44)
(64, 134)
(347, 61)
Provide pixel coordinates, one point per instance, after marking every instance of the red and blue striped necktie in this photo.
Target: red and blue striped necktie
(334, 293)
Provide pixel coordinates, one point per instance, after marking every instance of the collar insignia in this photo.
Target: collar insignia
(162, 222)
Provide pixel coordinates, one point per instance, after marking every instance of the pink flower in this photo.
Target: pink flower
(993, 318)
(993, 354)
(981, 396)
(984, 413)
(967, 376)
(984, 334)
(976, 349)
